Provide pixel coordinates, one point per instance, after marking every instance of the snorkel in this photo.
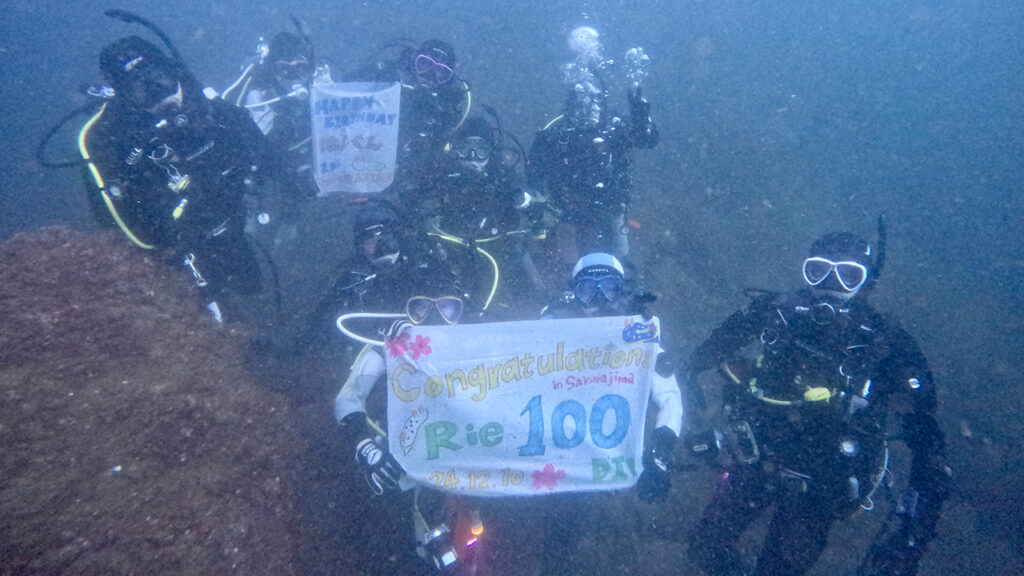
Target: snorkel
(193, 91)
(879, 264)
(131, 18)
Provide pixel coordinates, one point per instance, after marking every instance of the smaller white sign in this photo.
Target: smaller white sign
(355, 135)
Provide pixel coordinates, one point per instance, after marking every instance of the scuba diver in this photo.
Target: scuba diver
(434, 103)
(434, 513)
(172, 167)
(475, 197)
(581, 159)
(563, 516)
(391, 262)
(599, 287)
(275, 91)
(475, 193)
(804, 417)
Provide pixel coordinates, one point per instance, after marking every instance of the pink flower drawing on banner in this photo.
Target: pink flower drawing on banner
(397, 346)
(420, 347)
(547, 478)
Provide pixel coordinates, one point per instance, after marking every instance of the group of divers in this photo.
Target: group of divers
(475, 228)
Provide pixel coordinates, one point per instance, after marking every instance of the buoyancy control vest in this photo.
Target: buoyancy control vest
(804, 403)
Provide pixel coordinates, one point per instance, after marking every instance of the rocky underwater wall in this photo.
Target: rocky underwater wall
(134, 440)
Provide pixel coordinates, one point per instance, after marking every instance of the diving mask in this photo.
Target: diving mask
(849, 274)
(473, 148)
(587, 288)
(419, 308)
(432, 71)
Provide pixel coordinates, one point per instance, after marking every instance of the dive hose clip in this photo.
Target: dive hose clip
(190, 261)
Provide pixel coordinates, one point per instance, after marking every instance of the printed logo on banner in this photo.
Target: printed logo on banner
(521, 408)
(636, 331)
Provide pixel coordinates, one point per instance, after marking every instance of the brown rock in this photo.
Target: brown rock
(134, 439)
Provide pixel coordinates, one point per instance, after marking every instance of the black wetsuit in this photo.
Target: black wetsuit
(362, 286)
(480, 209)
(470, 204)
(817, 459)
(428, 117)
(584, 170)
(289, 135)
(178, 182)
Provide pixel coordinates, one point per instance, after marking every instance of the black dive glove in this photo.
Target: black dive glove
(656, 479)
(903, 541)
(380, 468)
(644, 133)
(639, 107)
(541, 214)
(640, 304)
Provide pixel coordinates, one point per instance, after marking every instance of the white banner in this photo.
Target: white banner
(355, 135)
(522, 408)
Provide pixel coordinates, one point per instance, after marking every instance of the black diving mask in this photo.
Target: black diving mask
(289, 72)
(473, 148)
(149, 85)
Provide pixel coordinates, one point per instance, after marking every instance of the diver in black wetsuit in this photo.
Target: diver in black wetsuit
(275, 91)
(391, 263)
(803, 421)
(172, 167)
(474, 192)
(475, 197)
(435, 100)
(584, 169)
(580, 160)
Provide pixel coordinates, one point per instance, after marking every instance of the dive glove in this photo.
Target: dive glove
(656, 479)
(643, 129)
(381, 470)
(640, 304)
(902, 544)
(639, 107)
